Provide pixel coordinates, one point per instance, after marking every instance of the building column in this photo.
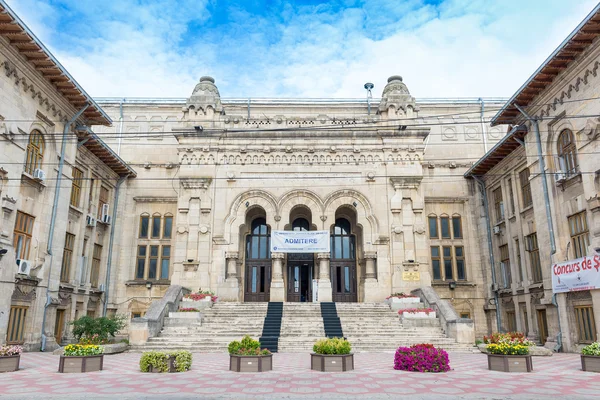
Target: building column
(370, 257)
(230, 290)
(372, 293)
(277, 284)
(325, 292)
(596, 307)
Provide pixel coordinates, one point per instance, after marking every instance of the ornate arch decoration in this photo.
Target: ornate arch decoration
(304, 197)
(364, 211)
(240, 206)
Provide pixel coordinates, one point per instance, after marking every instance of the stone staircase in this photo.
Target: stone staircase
(369, 327)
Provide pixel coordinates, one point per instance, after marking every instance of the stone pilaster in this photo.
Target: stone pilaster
(230, 289)
(370, 257)
(372, 290)
(325, 292)
(277, 284)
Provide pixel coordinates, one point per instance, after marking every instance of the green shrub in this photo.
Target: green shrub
(591, 350)
(159, 360)
(332, 346)
(97, 330)
(247, 347)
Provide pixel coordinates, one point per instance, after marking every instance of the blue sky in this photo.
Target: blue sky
(309, 48)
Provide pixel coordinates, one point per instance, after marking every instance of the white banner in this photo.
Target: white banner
(300, 241)
(580, 274)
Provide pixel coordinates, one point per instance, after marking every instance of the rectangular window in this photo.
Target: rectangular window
(447, 253)
(511, 321)
(586, 326)
(534, 257)
(144, 225)
(153, 262)
(511, 197)
(580, 237)
(445, 225)
(164, 262)
(519, 264)
(102, 201)
(498, 205)
(140, 269)
(456, 228)
(460, 263)
(155, 227)
(436, 263)
(465, 314)
(95, 272)
(22, 235)
(16, 325)
(525, 188)
(76, 188)
(505, 266)
(67, 257)
(167, 227)
(433, 228)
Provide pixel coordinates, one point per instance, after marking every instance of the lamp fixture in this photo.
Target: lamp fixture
(148, 285)
(452, 285)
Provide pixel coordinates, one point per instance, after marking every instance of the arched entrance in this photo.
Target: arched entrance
(343, 262)
(300, 268)
(258, 262)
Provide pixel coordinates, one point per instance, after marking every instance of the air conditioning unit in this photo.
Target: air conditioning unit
(106, 219)
(90, 221)
(23, 267)
(101, 287)
(560, 177)
(39, 174)
(497, 230)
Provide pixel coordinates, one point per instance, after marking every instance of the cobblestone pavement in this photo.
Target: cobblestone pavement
(559, 376)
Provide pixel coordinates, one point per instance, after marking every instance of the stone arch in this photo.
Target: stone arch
(365, 215)
(300, 197)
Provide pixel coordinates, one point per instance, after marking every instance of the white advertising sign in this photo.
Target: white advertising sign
(580, 274)
(300, 241)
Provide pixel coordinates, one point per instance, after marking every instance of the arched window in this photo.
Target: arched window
(433, 227)
(144, 226)
(35, 152)
(342, 240)
(167, 226)
(567, 157)
(300, 224)
(258, 241)
(155, 233)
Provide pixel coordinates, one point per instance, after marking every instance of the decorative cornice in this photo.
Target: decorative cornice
(323, 256)
(406, 182)
(153, 199)
(195, 183)
(232, 255)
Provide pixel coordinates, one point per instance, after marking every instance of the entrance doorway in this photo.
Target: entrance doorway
(258, 264)
(300, 276)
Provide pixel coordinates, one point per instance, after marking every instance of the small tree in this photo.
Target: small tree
(97, 330)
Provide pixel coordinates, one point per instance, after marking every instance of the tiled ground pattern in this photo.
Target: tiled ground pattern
(559, 376)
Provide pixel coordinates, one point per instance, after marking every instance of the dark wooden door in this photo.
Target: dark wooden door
(299, 287)
(258, 280)
(343, 281)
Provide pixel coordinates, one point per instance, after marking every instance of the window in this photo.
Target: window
(16, 325)
(155, 226)
(22, 235)
(465, 314)
(460, 263)
(436, 263)
(76, 188)
(153, 262)
(519, 264)
(525, 188)
(456, 227)
(567, 157)
(498, 205)
(91, 195)
(164, 262)
(534, 257)
(505, 266)
(586, 326)
(511, 321)
(35, 152)
(258, 242)
(144, 226)
(83, 277)
(141, 262)
(300, 224)
(445, 225)
(579, 234)
(342, 240)
(511, 196)
(67, 257)
(102, 201)
(95, 272)
(167, 227)
(433, 228)
(447, 254)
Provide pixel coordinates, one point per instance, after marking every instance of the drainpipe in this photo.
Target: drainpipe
(61, 164)
(120, 126)
(490, 248)
(538, 140)
(483, 133)
(111, 241)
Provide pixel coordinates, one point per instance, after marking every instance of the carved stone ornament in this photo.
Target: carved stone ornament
(323, 255)
(396, 94)
(397, 229)
(195, 183)
(24, 292)
(278, 256)
(181, 229)
(277, 218)
(232, 254)
(419, 229)
(205, 94)
(65, 298)
(204, 229)
(323, 218)
(370, 254)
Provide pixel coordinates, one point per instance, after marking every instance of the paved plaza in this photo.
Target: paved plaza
(559, 376)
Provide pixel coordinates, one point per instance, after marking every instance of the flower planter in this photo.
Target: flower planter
(590, 363)
(81, 363)
(418, 315)
(332, 362)
(398, 303)
(502, 363)
(170, 369)
(250, 363)
(9, 363)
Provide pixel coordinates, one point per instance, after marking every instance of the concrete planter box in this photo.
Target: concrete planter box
(590, 363)
(418, 315)
(250, 363)
(69, 364)
(332, 362)
(397, 303)
(170, 369)
(10, 363)
(185, 315)
(200, 304)
(502, 363)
